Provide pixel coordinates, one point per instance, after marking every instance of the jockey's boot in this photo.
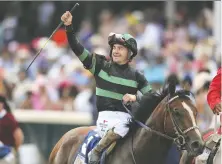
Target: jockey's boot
(107, 140)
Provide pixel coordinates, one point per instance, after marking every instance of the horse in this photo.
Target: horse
(164, 118)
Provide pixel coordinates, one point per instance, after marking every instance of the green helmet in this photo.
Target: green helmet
(126, 40)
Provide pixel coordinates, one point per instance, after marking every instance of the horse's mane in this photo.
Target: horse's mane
(148, 103)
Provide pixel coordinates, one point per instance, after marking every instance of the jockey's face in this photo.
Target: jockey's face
(120, 54)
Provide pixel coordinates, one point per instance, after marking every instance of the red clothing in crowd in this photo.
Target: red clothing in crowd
(8, 125)
(214, 94)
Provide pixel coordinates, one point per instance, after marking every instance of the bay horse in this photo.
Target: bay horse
(165, 117)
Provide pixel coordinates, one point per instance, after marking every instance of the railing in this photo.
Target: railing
(53, 117)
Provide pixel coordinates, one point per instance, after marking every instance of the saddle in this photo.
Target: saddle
(90, 141)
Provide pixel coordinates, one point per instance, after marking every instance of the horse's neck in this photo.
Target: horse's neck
(149, 146)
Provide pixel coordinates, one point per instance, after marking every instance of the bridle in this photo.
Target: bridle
(179, 140)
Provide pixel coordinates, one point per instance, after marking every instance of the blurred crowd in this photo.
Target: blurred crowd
(184, 49)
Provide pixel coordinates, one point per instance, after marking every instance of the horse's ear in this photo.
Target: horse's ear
(172, 88)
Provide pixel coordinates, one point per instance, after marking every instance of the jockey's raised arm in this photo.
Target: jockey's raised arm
(88, 59)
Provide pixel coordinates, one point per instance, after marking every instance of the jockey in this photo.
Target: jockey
(214, 94)
(115, 81)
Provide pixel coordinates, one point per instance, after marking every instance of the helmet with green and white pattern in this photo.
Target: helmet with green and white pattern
(126, 40)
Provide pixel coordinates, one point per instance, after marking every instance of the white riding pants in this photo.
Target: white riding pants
(113, 120)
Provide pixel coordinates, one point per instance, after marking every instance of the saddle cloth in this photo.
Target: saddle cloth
(90, 141)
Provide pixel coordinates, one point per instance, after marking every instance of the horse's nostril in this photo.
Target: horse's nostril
(195, 145)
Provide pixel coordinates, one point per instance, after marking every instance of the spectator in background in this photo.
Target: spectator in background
(21, 87)
(152, 32)
(86, 33)
(41, 99)
(214, 95)
(6, 60)
(67, 94)
(45, 13)
(10, 133)
(44, 94)
(153, 72)
(5, 88)
(107, 24)
(27, 103)
(200, 88)
(203, 53)
(9, 25)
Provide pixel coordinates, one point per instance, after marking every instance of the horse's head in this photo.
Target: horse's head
(180, 120)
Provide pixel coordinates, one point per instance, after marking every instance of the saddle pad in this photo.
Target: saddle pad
(90, 141)
(88, 144)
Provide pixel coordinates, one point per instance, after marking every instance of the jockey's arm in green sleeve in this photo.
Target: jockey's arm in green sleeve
(143, 85)
(89, 60)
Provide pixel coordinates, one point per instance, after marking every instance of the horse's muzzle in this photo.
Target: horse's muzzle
(197, 147)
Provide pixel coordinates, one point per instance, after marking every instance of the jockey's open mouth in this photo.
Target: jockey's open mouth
(116, 55)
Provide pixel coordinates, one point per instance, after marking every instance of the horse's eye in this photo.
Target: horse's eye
(177, 112)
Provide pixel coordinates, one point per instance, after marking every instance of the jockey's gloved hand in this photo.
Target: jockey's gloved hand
(129, 98)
